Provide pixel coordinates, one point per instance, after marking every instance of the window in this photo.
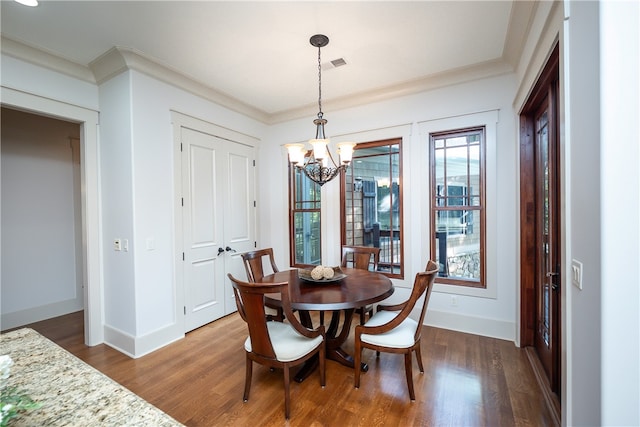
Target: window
(304, 219)
(371, 201)
(457, 205)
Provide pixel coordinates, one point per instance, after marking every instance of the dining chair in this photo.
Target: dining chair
(391, 330)
(254, 265)
(364, 258)
(275, 344)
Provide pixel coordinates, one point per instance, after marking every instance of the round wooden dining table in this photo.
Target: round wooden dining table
(358, 288)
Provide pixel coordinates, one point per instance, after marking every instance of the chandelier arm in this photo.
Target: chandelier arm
(335, 165)
(320, 174)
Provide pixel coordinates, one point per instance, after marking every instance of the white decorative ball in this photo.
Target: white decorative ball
(327, 273)
(316, 273)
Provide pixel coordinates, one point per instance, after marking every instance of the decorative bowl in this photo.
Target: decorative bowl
(306, 276)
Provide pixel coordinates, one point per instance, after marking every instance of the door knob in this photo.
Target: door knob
(220, 251)
(228, 249)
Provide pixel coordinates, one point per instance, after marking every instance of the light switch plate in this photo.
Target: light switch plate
(576, 273)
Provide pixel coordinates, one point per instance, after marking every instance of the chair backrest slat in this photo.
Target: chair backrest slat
(360, 257)
(254, 263)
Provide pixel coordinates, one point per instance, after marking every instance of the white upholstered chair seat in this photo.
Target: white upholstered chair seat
(287, 343)
(402, 336)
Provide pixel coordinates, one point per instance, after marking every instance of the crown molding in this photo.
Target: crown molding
(520, 21)
(36, 56)
(119, 59)
(435, 81)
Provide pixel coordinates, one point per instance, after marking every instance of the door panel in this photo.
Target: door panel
(239, 215)
(547, 283)
(203, 231)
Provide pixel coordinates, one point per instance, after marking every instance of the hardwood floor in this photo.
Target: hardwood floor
(468, 381)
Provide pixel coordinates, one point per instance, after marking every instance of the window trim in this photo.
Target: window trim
(489, 119)
(481, 283)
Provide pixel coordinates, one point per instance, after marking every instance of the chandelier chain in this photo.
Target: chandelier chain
(319, 85)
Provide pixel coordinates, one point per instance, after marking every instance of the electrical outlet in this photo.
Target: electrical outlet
(576, 273)
(117, 244)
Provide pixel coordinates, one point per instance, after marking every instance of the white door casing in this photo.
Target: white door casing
(92, 277)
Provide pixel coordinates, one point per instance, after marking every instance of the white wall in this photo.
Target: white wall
(620, 181)
(41, 252)
(581, 63)
(117, 208)
(143, 306)
(489, 313)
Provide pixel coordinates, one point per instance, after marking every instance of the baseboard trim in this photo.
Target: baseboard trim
(483, 326)
(136, 347)
(37, 314)
(550, 398)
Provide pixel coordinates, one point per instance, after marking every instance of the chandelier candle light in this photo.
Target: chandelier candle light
(318, 164)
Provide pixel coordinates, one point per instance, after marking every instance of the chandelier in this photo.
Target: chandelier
(318, 163)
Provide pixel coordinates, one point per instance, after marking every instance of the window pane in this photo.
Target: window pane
(439, 170)
(457, 245)
(305, 220)
(457, 141)
(474, 170)
(307, 237)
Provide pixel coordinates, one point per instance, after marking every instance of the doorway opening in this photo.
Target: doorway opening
(41, 218)
(87, 121)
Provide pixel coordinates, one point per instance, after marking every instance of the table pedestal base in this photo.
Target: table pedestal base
(333, 343)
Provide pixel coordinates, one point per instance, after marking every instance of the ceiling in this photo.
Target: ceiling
(259, 54)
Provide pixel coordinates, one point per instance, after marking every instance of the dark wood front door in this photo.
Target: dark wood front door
(540, 223)
(547, 237)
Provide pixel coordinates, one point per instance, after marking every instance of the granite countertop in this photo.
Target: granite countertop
(71, 392)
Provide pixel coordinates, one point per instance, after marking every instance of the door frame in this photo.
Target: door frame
(528, 225)
(91, 224)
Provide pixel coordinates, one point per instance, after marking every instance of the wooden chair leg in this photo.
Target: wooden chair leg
(357, 358)
(247, 380)
(323, 371)
(322, 317)
(419, 357)
(409, 372)
(286, 392)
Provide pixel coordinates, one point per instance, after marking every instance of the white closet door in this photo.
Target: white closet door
(218, 222)
(239, 216)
